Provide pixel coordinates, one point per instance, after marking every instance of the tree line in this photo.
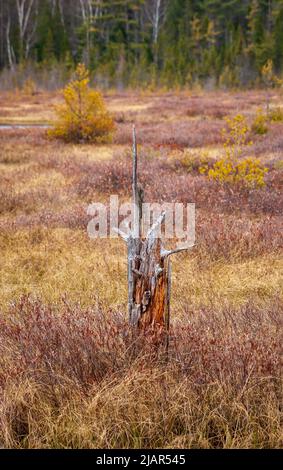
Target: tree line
(146, 42)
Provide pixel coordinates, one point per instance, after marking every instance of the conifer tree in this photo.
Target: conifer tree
(168, 42)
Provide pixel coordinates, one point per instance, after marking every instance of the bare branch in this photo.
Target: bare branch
(166, 253)
(156, 225)
(122, 234)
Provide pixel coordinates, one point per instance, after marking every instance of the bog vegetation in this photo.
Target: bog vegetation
(234, 168)
(202, 82)
(72, 372)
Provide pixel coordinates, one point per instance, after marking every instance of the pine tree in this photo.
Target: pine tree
(278, 41)
(196, 39)
(59, 34)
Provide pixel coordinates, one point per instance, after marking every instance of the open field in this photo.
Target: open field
(71, 374)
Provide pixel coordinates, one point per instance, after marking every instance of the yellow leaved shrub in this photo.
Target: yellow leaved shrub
(233, 168)
(259, 125)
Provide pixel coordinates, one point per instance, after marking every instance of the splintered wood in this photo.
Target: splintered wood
(149, 269)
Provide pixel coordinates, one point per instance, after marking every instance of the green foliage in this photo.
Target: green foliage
(52, 43)
(233, 168)
(169, 43)
(82, 117)
(278, 40)
(228, 78)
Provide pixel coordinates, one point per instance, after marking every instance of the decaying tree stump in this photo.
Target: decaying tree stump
(149, 266)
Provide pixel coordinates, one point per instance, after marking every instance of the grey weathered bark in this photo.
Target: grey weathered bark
(156, 14)
(149, 268)
(10, 50)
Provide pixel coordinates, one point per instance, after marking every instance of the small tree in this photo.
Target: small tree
(83, 116)
(233, 168)
(270, 80)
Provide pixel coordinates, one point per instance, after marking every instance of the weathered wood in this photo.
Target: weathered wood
(150, 286)
(168, 308)
(149, 266)
(137, 192)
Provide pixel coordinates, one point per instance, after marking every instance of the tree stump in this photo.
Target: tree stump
(149, 268)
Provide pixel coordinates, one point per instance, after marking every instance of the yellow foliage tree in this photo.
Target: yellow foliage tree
(267, 73)
(233, 168)
(270, 80)
(259, 125)
(83, 116)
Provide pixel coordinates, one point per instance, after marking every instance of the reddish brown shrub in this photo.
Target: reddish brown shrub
(86, 345)
(69, 359)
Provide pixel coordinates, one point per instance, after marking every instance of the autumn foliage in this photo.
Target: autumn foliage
(83, 116)
(234, 168)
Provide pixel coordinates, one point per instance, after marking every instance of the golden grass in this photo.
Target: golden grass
(227, 283)
(126, 413)
(49, 180)
(95, 153)
(18, 108)
(51, 263)
(122, 107)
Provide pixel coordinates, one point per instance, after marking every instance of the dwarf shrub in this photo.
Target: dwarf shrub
(29, 87)
(233, 168)
(83, 116)
(276, 115)
(248, 172)
(259, 125)
(191, 161)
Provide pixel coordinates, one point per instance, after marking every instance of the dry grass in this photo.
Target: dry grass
(53, 262)
(71, 373)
